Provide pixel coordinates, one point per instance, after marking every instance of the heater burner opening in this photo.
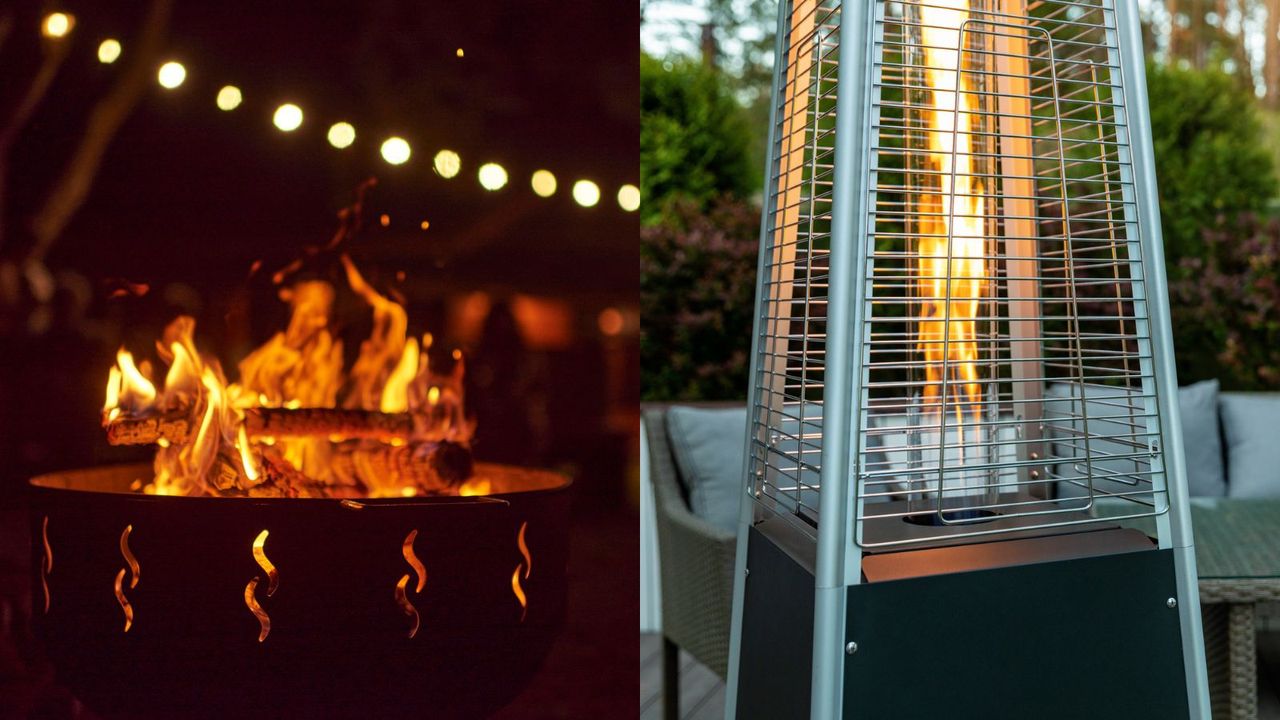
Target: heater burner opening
(949, 517)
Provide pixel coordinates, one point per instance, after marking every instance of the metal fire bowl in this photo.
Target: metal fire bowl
(339, 643)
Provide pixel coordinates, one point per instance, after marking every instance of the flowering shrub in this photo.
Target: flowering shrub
(1226, 306)
(697, 293)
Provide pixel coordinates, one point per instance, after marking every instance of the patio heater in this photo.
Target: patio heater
(963, 378)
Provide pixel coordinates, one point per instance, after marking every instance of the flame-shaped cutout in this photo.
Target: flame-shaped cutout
(524, 549)
(133, 570)
(403, 601)
(46, 564)
(128, 556)
(402, 597)
(124, 602)
(412, 558)
(260, 555)
(519, 591)
(522, 569)
(252, 602)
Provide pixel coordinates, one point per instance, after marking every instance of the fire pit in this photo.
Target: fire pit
(154, 604)
(311, 538)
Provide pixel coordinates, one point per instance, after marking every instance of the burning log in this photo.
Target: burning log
(171, 428)
(432, 467)
(311, 422)
(274, 423)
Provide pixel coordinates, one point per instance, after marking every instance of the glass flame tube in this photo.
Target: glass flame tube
(951, 268)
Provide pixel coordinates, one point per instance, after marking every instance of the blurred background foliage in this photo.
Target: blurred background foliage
(1214, 88)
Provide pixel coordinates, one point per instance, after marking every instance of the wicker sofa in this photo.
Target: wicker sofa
(696, 564)
(1230, 448)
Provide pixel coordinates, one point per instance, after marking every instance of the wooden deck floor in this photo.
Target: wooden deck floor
(701, 691)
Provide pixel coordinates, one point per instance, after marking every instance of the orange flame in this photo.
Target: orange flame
(951, 244)
(475, 486)
(129, 389)
(301, 367)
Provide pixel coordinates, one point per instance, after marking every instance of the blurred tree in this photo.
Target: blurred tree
(694, 142)
(1210, 161)
(1271, 50)
(1226, 307)
(697, 292)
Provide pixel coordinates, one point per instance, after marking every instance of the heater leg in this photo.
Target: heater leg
(670, 679)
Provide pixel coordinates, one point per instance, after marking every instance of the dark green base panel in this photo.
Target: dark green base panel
(777, 635)
(1089, 638)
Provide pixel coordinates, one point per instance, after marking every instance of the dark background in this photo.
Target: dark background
(189, 197)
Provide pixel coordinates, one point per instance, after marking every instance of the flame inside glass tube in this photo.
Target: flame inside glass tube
(951, 242)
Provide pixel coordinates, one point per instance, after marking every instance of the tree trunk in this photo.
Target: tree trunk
(55, 51)
(72, 187)
(1271, 66)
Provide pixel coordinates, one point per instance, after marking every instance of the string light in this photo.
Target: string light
(108, 51)
(342, 134)
(492, 176)
(396, 151)
(57, 25)
(629, 198)
(288, 117)
(543, 183)
(384, 220)
(447, 163)
(171, 75)
(229, 98)
(610, 321)
(586, 193)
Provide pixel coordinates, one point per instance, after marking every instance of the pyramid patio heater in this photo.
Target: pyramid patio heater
(963, 390)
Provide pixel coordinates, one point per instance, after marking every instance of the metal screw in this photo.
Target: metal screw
(851, 648)
(1035, 456)
(1035, 474)
(1171, 602)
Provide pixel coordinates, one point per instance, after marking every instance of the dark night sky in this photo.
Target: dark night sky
(190, 193)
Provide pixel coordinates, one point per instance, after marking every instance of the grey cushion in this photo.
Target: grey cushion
(710, 447)
(1201, 440)
(1198, 408)
(1251, 425)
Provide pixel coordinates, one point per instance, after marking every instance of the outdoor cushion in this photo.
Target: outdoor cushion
(1251, 425)
(1107, 407)
(709, 448)
(1201, 439)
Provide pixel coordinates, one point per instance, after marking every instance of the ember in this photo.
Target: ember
(295, 423)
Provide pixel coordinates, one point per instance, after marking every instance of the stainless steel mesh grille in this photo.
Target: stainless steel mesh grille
(786, 445)
(1006, 360)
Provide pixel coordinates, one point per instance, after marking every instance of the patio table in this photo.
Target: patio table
(1238, 562)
